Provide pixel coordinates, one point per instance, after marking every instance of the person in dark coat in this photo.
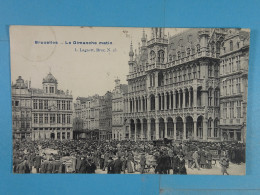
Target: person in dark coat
(142, 163)
(175, 164)
(110, 166)
(90, 166)
(209, 159)
(37, 162)
(83, 166)
(118, 165)
(182, 168)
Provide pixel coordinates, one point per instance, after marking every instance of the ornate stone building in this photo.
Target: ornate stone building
(51, 111)
(174, 86)
(118, 110)
(234, 57)
(21, 109)
(96, 113)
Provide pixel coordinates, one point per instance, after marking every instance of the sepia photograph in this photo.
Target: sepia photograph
(125, 100)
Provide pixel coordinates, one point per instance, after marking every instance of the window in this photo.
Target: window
(170, 58)
(210, 70)
(210, 97)
(231, 110)
(188, 52)
(198, 48)
(231, 45)
(68, 105)
(238, 104)
(63, 104)
(216, 96)
(152, 56)
(46, 118)
(238, 85)
(51, 89)
(209, 126)
(224, 110)
(35, 118)
(194, 72)
(58, 118)
(63, 118)
(52, 118)
(58, 135)
(68, 135)
(68, 119)
(216, 128)
(46, 104)
(35, 104)
(46, 89)
(40, 118)
(179, 55)
(40, 104)
(16, 103)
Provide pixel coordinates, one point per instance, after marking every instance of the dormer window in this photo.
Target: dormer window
(198, 48)
(238, 45)
(231, 45)
(179, 55)
(188, 52)
(170, 58)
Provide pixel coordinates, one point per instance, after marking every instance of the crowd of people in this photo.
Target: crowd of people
(116, 157)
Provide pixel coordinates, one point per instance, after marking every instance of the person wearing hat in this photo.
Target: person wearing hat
(118, 165)
(142, 163)
(182, 168)
(37, 162)
(110, 166)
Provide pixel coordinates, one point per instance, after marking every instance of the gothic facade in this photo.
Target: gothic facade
(174, 86)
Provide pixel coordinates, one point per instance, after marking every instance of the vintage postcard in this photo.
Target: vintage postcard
(110, 100)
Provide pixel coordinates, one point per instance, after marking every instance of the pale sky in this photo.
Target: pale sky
(83, 73)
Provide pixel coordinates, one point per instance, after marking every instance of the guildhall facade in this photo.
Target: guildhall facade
(175, 86)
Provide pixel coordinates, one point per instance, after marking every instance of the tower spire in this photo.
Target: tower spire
(131, 52)
(143, 38)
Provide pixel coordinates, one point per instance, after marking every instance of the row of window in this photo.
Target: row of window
(22, 103)
(231, 110)
(44, 104)
(230, 65)
(231, 86)
(51, 118)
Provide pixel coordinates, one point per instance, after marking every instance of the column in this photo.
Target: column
(195, 129)
(212, 128)
(190, 98)
(156, 129)
(157, 102)
(135, 130)
(162, 102)
(142, 130)
(141, 105)
(170, 100)
(184, 130)
(195, 98)
(165, 101)
(165, 130)
(205, 98)
(129, 133)
(179, 106)
(174, 131)
(148, 129)
(205, 128)
(148, 104)
(174, 100)
(183, 99)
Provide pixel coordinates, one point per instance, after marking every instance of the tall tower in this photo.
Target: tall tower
(131, 60)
